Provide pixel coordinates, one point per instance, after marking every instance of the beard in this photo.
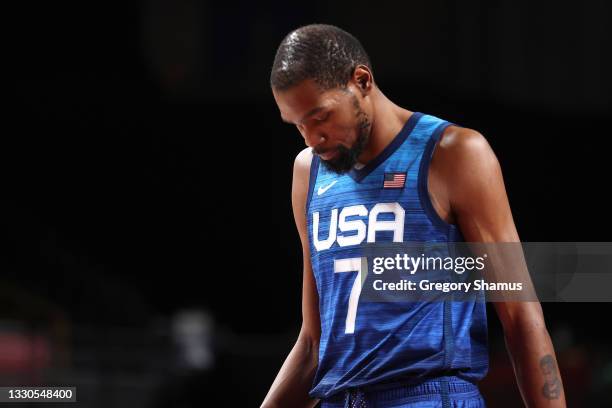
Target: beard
(347, 157)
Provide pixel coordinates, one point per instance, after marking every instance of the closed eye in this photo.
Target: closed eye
(323, 117)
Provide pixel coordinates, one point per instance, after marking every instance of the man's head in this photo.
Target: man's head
(322, 80)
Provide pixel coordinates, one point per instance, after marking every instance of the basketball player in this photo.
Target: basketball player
(373, 172)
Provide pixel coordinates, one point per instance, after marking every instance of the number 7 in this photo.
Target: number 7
(359, 265)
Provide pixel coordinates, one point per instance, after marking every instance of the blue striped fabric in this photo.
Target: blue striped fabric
(385, 342)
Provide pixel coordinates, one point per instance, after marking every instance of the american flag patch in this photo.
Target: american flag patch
(394, 180)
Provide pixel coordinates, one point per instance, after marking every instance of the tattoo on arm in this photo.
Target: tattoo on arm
(552, 383)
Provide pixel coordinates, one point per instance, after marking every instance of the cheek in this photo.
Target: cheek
(341, 134)
(344, 131)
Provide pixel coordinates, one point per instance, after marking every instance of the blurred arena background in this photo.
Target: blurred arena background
(149, 255)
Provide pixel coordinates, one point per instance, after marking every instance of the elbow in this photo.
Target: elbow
(309, 340)
(523, 320)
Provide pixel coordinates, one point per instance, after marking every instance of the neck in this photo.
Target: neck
(387, 120)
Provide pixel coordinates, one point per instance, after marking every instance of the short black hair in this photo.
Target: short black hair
(324, 53)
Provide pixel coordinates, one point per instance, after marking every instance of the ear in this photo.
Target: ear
(362, 76)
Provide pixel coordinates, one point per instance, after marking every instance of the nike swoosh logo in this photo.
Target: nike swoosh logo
(321, 190)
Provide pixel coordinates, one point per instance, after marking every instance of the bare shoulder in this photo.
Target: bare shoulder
(462, 167)
(460, 140)
(299, 189)
(301, 171)
(301, 166)
(463, 149)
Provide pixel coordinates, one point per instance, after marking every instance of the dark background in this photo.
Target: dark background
(149, 253)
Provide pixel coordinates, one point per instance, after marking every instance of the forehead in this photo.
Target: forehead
(298, 101)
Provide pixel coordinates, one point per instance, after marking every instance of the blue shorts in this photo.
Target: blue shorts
(441, 392)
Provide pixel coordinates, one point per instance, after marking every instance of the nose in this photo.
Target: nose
(311, 137)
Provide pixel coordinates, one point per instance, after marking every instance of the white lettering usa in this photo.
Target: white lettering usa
(355, 231)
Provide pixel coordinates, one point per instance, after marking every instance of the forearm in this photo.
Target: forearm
(294, 380)
(534, 362)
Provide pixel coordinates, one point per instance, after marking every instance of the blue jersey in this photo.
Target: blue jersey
(387, 200)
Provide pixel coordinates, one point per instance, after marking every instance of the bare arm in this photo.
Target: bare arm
(478, 200)
(294, 380)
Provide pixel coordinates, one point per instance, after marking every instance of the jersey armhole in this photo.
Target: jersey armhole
(312, 180)
(451, 229)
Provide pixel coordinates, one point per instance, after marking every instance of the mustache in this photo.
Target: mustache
(322, 151)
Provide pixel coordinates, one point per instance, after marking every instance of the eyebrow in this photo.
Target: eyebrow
(309, 114)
